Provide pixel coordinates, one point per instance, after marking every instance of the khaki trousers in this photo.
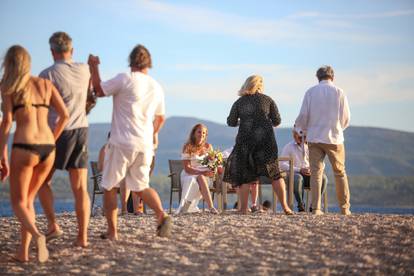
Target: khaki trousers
(336, 155)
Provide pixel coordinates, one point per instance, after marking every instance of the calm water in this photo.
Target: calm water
(68, 206)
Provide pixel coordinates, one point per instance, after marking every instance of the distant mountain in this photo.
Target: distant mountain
(370, 151)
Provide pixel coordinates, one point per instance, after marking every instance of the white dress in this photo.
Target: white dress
(190, 188)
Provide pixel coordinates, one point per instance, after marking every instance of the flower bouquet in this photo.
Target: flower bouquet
(213, 160)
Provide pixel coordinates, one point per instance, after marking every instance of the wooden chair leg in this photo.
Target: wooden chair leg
(307, 207)
(260, 195)
(325, 201)
(171, 192)
(93, 202)
(220, 202)
(274, 201)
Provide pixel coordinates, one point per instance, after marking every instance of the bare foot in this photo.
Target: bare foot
(107, 236)
(51, 228)
(81, 243)
(243, 212)
(164, 229)
(19, 259)
(288, 212)
(42, 252)
(54, 234)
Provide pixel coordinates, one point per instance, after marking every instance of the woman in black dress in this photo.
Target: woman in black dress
(255, 153)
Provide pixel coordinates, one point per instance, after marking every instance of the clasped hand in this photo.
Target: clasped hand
(208, 173)
(93, 60)
(305, 171)
(4, 169)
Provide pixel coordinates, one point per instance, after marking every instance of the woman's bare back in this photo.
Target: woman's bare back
(31, 122)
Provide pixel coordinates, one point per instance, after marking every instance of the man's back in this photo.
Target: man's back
(72, 81)
(137, 98)
(324, 113)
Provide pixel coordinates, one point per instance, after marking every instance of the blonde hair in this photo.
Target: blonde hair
(253, 84)
(16, 76)
(190, 146)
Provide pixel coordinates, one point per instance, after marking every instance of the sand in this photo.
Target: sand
(206, 244)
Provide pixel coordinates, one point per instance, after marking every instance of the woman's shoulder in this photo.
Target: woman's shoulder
(41, 82)
(186, 153)
(44, 87)
(186, 149)
(266, 98)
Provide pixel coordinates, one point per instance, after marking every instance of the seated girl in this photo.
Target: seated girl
(195, 178)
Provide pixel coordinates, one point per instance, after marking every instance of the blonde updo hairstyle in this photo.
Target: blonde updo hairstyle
(252, 85)
(16, 75)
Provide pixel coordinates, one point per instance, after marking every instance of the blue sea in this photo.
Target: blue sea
(68, 206)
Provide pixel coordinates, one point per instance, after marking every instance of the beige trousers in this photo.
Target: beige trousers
(336, 155)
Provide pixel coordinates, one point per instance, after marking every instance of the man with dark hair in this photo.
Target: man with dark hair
(140, 58)
(323, 117)
(72, 80)
(137, 116)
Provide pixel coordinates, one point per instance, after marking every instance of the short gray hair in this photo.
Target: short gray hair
(60, 42)
(325, 72)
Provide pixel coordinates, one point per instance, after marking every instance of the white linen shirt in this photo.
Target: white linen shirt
(137, 98)
(324, 114)
(299, 154)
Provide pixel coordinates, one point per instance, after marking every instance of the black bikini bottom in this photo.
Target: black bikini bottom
(42, 150)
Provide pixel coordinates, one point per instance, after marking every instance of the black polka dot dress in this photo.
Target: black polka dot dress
(255, 152)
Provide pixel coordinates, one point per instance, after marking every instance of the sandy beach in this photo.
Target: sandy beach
(206, 244)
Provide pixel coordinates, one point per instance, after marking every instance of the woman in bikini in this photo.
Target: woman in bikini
(26, 99)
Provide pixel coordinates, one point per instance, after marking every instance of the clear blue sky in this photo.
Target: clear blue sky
(204, 50)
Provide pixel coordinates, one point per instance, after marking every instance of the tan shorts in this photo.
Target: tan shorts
(120, 164)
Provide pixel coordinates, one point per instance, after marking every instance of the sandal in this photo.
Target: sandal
(54, 235)
(289, 212)
(164, 229)
(213, 211)
(255, 209)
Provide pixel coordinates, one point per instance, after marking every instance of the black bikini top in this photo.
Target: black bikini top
(17, 106)
(34, 105)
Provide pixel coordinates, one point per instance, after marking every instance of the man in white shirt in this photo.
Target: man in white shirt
(324, 116)
(299, 151)
(137, 117)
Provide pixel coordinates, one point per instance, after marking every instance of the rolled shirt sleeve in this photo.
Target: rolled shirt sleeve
(114, 85)
(160, 108)
(344, 112)
(302, 119)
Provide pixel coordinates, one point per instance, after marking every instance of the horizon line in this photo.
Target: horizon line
(280, 127)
